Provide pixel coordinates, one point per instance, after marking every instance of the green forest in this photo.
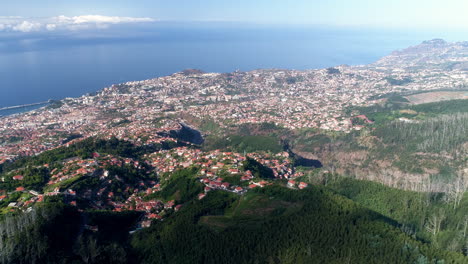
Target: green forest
(347, 222)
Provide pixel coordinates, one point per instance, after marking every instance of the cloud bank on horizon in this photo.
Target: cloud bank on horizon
(25, 25)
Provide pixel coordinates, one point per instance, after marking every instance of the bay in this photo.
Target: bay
(41, 67)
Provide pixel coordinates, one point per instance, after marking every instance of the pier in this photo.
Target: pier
(22, 106)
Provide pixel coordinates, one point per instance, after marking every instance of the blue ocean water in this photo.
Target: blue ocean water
(41, 67)
(22, 109)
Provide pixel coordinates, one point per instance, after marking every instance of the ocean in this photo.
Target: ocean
(37, 68)
(21, 109)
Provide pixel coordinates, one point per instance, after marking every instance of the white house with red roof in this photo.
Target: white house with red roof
(303, 185)
(238, 189)
(18, 177)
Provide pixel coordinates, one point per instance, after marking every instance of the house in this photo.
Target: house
(33, 192)
(169, 204)
(303, 185)
(148, 208)
(251, 186)
(2, 197)
(201, 196)
(146, 223)
(207, 189)
(81, 171)
(206, 181)
(238, 189)
(215, 185)
(18, 177)
(154, 216)
(291, 183)
(20, 189)
(225, 185)
(177, 208)
(245, 178)
(263, 183)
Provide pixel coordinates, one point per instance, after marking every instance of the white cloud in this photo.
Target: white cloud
(103, 19)
(27, 26)
(20, 24)
(51, 27)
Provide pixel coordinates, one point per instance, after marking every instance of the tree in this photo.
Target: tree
(465, 226)
(434, 223)
(455, 191)
(87, 249)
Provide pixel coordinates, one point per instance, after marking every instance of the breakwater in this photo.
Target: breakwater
(11, 110)
(23, 106)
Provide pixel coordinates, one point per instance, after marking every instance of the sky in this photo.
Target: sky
(422, 14)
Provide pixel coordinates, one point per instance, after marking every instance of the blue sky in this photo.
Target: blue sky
(370, 13)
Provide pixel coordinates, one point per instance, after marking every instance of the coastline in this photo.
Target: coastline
(24, 105)
(18, 109)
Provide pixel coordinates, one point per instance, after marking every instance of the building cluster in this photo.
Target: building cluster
(292, 99)
(216, 170)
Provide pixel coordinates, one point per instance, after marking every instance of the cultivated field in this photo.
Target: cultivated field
(431, 97)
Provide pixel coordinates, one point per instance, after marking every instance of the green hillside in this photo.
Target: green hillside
(274, 224)
(416, 212)
(279, 225)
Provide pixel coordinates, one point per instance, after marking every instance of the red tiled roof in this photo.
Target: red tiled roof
(18, 177)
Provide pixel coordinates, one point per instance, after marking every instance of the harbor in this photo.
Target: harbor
(11, 110)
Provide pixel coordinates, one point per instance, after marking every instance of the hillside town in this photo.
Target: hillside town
(98, 183)
(154, 112)
(291, 99)
(288, 98)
